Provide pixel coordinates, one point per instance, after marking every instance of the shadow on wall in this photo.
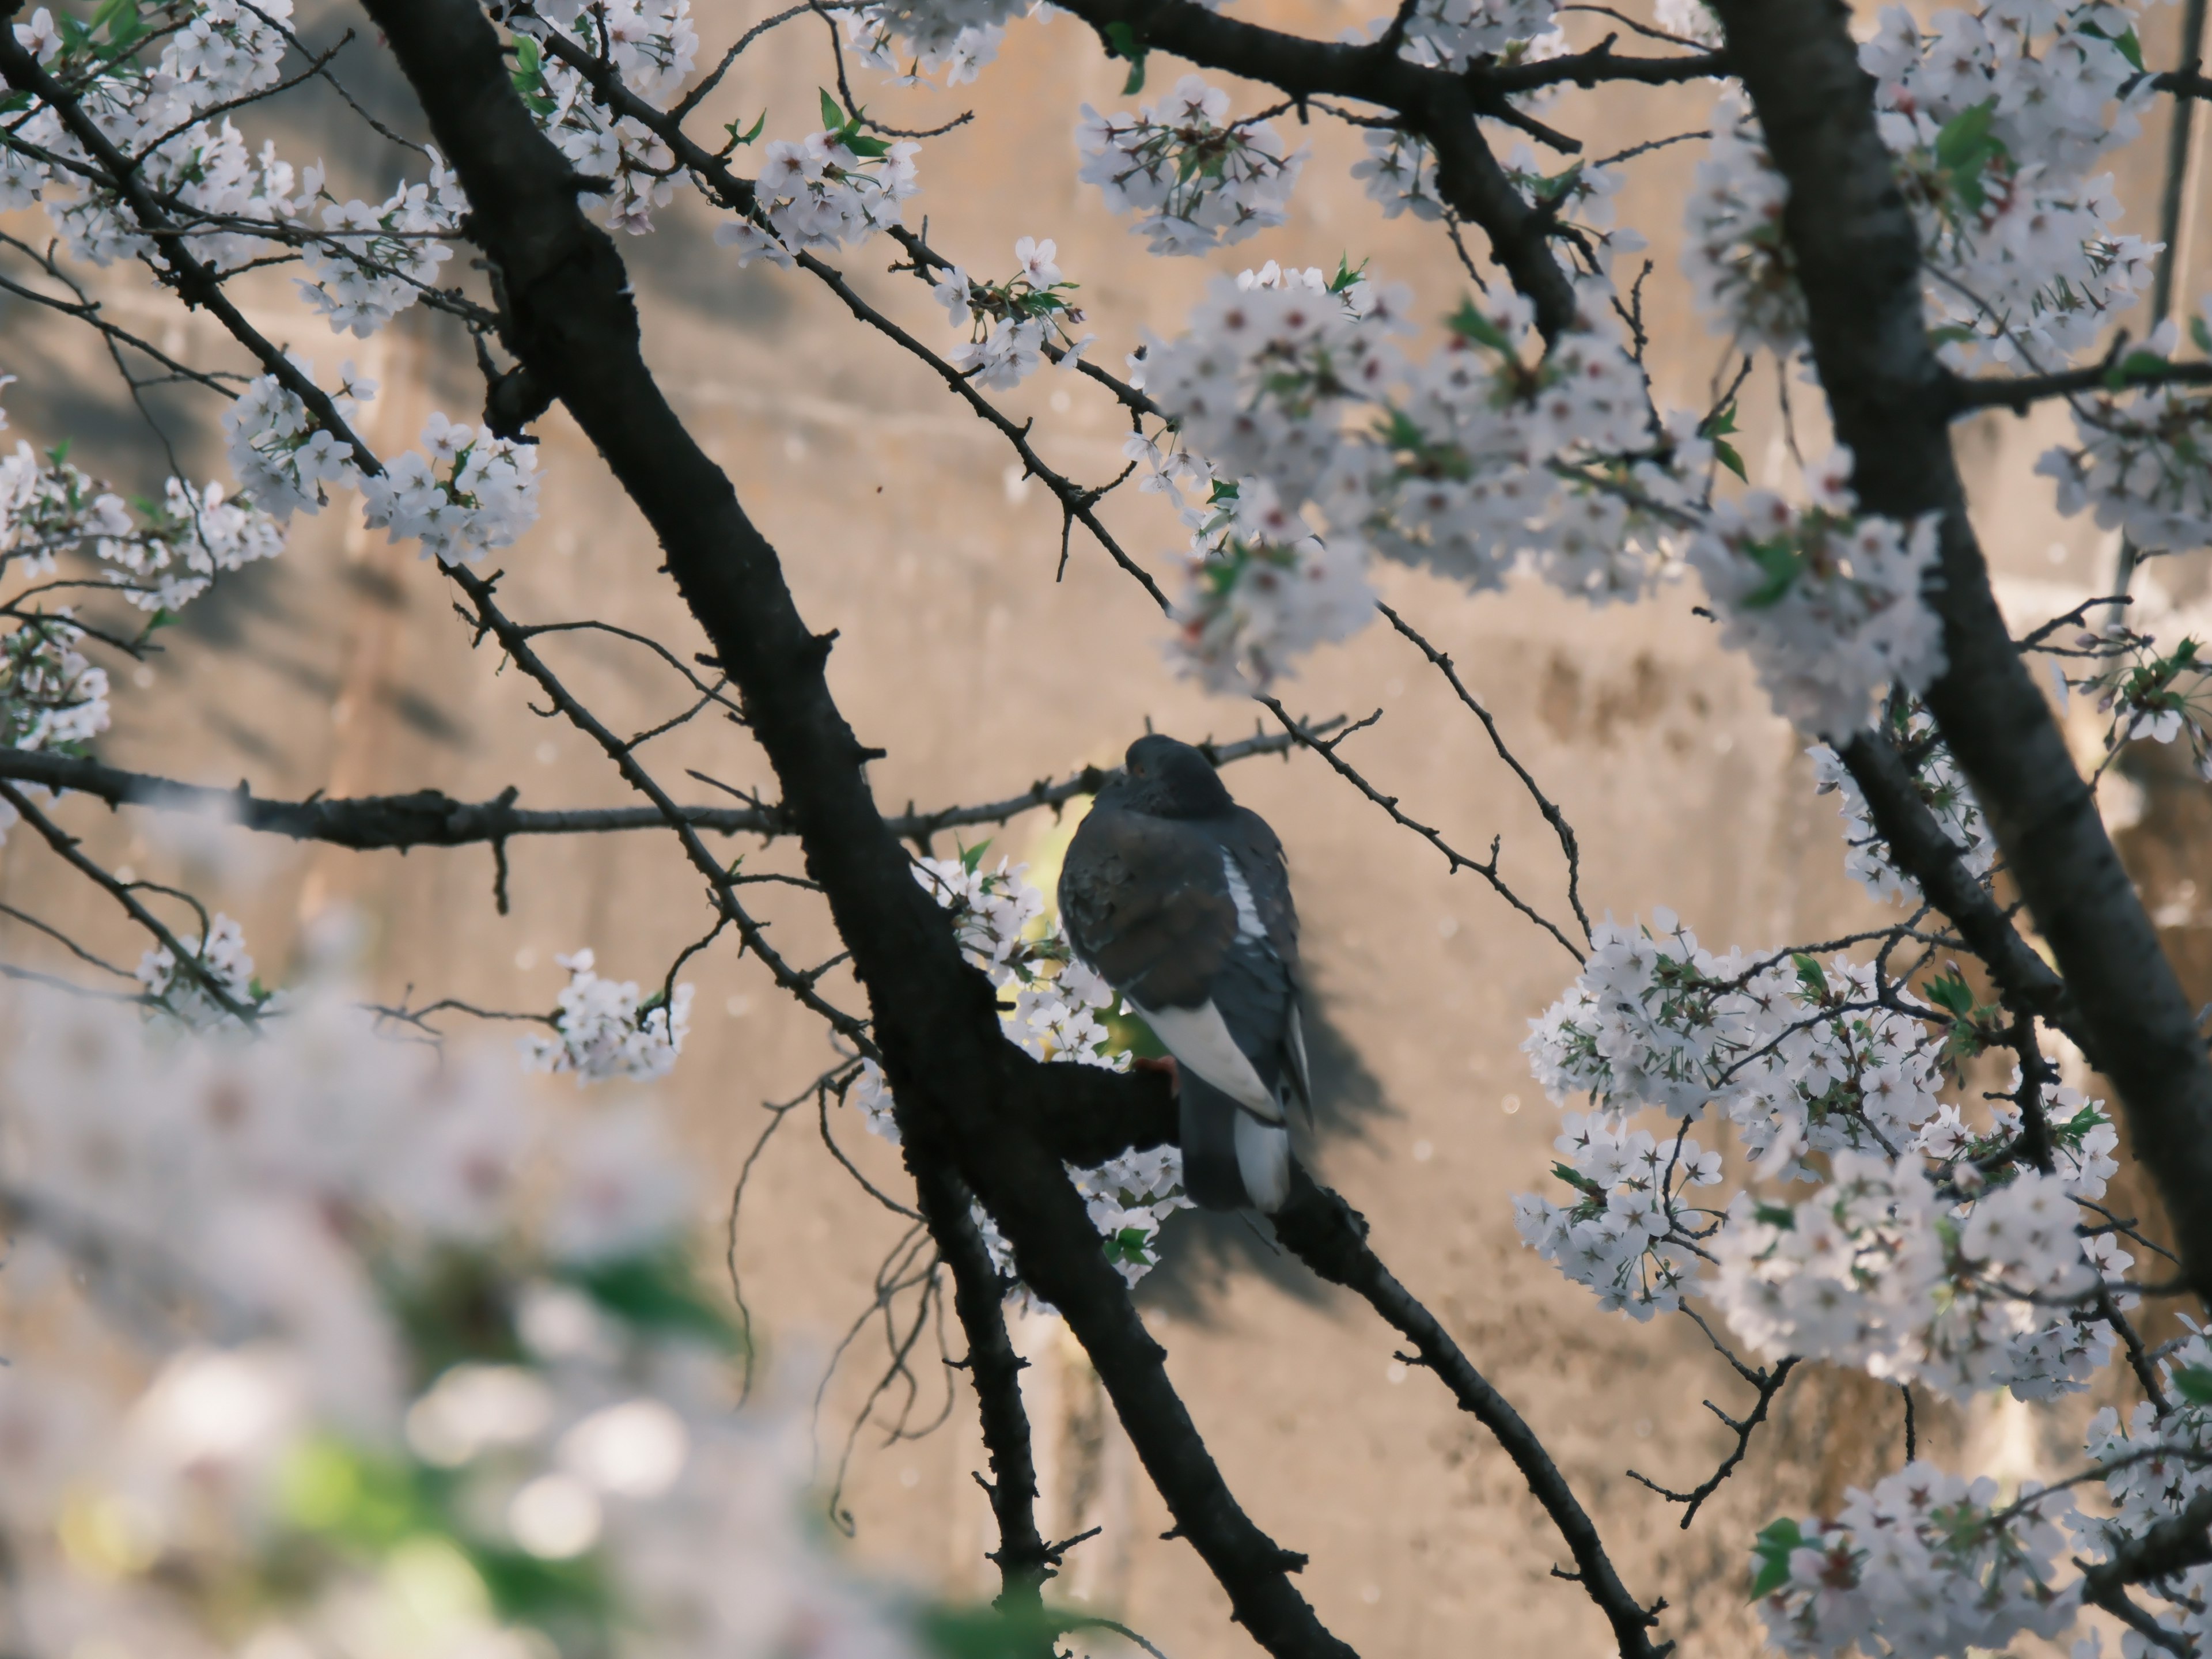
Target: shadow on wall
(1204, 1250)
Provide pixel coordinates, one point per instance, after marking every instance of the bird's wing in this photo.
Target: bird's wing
(1162, 910)
(1257, 856)
(1145, 903)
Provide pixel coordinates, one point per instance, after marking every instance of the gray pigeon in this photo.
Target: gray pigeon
(1179, 897)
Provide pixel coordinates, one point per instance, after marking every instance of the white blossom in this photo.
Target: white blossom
(604, 1029)
(1197, 180)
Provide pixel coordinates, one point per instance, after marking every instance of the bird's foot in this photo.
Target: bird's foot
(1165, 1063)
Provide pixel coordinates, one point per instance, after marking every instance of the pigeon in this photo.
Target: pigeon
(1178, 898)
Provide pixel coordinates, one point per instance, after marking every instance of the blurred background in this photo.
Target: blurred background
(905, 524)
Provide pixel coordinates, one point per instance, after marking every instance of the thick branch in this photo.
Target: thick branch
(573, 323)
(1857, 252)
(1919, 847)
(995, 1368)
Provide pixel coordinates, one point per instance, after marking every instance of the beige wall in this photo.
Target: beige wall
(342, 668)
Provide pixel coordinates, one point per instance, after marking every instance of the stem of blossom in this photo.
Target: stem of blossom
(1858, 255)
(571, 318)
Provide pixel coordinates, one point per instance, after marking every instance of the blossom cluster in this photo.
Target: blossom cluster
(2147, 693)
(186, 995)
(1452, 34)
(2142, 459)
(1630, 1232)
(1881, 1271)
(1941, 788)
(1826, 603)
(339, 1345)
(2154, 1463)
(1010, 324)
(1058, 1013)
(652, 45)
(374, 260)
(1926, 1564)
(604, 1029)
(1800, 1057)
(1399, 174)
(1197, 180)
(1739, 264)
(959, 36)
(368, 261)
(1921, 1254)
(465, 492)
(1998, 118)
(213, 53)
(160, 561)
(1469, 463)
(52, 697)
(838, 185)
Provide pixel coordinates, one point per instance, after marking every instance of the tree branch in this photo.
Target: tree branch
(1858, 255)
(1330, 1236)
(428, 817)
(572, 321)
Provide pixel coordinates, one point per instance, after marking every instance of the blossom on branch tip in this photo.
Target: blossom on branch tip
(603, 1030)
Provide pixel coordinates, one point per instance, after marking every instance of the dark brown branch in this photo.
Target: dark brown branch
(1769, 1383)
(187, 961)
(2174, 1545)
(1552, 815)
(2018, 392)
(1023, 1560)
(1457, 860)
(1919, 847)
(571, 320)
(1856, 252)
(1330, 1238)
(430, 818)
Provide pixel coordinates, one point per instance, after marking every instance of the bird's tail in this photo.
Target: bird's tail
(1230, 1159)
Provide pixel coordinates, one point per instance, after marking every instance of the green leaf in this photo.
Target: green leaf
(1779, 561)
(2201, 334)
(1575, 1179)
(2194, 1384)
(1951, 993)
(1346, 275)
(860, 145)
(2130, 48)
(2134, 365)
(1725, 453)
(833, 112)
(1964, 140)
(1121, 42)
(1770, 1553)
(1775, 1215)
(1810, 977)
(1469, 324)
(982, 1631)
(972, 856)
(758, 127)
(1949, 334)
(1965, 148)
(656, 1292)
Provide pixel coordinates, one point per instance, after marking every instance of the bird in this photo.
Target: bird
(1180, 899)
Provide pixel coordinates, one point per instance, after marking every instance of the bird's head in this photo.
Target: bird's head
(1171, 780)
